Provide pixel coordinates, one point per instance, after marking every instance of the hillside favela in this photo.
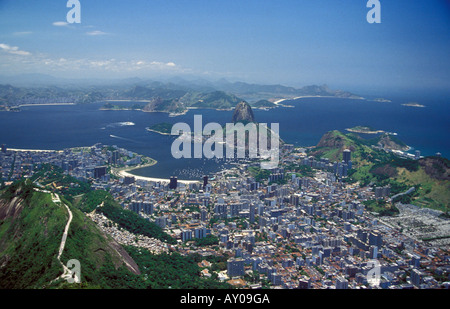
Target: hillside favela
(238, 147)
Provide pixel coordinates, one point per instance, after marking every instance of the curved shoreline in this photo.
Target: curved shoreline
(123, 172)
(127, 172)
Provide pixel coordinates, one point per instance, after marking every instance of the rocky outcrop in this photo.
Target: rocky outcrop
(243, 113)
(387, 142)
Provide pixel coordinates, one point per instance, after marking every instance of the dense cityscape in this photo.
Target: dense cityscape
(285, 230)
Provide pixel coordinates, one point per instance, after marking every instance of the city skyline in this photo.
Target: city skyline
(289, 42)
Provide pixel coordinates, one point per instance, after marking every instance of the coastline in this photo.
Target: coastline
(32, 150)
(46, 104)
(315, 96)
(365, 132)
(162, 133)
(124, 172)
(127, 172)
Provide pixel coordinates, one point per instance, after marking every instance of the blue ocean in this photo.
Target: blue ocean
(303, 124)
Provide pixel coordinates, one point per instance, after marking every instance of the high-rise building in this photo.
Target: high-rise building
(161, 221)
(173, 183)
(147, 207)
(347, 155)
(381, 192)
(186, 235)
(115, 157)
(376, 239)
(135, 206)
(416, 277)
(235, 267)
(200, 232)
(341, 283)
(205, 181)
(4, 149)
(128, 180)
(99, 172)
(252, 213)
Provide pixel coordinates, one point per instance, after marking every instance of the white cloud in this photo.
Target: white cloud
(39, 62)
(96, 32)
(14, 50)
(60, 24)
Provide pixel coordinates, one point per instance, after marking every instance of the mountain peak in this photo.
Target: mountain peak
(243, 113)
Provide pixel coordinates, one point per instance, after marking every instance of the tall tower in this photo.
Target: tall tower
(173, 183)
(347, 155)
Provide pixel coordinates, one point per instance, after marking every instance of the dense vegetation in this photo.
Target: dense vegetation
(163, 128)
(173, 270)
(209, 240)
(377, 168)
(66, 185)
(110, 106)
(126, 219)
(263, 104)
(29, 243)
(381, 207)
(261, 175)
(29, 247)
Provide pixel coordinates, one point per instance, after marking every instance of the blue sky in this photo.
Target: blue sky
(298, 42)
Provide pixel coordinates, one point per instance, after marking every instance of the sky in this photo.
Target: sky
(290, 42)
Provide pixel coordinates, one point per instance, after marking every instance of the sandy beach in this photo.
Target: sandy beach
(32, 150)
(126, 173)
(46, 104)
(301, 97)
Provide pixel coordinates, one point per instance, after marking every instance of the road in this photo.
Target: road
(67, 274)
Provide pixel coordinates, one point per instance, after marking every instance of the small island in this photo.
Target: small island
(161, 128)
(381, 100)
(364, 130)
(413, 104)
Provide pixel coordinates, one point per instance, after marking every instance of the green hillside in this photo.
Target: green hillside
(31, 229)
(333, 143)
(125, 218)
(376, 167)
(213, 100)
(263, 104)
(32, 222)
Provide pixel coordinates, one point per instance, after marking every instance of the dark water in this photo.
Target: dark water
(58, 127)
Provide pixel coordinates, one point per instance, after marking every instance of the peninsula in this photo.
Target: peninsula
(161, 128)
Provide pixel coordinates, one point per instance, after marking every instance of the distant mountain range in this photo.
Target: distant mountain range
(174, 95)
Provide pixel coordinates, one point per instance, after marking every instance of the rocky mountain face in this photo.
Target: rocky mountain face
(436, 167)
(243, 113)
(387, 142)
(160, 105)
